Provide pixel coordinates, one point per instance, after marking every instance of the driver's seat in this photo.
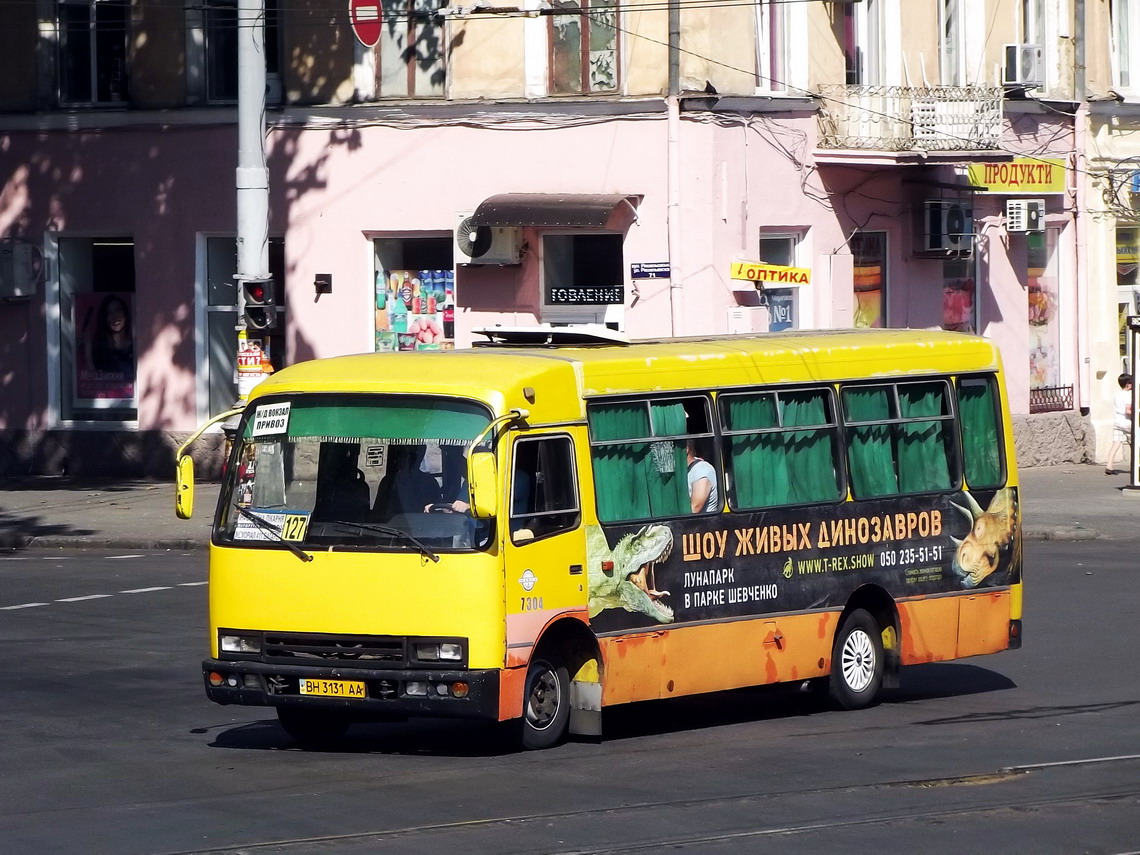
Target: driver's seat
(406, 489)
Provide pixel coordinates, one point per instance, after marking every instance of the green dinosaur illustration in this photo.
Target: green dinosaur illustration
(629, 584)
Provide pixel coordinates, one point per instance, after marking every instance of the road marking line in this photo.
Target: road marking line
(115, 557)
(101, 596)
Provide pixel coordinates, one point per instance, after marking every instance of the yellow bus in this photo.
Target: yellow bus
(558, 521)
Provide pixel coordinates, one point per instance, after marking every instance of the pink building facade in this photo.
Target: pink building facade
(681, 200)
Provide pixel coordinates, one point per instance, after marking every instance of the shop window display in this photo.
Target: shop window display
(415, 310)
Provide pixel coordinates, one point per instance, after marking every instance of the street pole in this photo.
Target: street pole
(252, 181)
(252, 186)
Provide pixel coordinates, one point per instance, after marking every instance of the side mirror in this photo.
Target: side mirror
(184, 487)
(482, 478)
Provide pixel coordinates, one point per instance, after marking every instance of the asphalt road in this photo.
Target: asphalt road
(109, 745)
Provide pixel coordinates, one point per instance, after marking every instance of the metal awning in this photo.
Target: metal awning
(548, 210)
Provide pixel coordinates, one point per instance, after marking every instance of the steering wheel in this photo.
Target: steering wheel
(440, 508)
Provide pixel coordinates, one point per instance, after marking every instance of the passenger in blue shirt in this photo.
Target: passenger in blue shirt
(703, 495)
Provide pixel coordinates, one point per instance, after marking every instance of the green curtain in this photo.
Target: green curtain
(636, 480)
(781, 467)
(621, 494)
(759, 466)
(666, 473)
(810, 453)
(923, 462)
(870, 455)
(981, 447)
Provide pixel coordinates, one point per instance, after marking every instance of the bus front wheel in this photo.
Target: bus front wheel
(312, 728)
(546, 704)
(857, 662)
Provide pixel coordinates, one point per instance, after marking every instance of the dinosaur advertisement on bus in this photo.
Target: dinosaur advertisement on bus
(714, 567)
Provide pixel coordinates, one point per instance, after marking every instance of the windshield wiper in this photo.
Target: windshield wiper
(273, 530)
(394, 532)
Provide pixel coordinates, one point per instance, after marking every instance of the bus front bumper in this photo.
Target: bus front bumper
(360, 691)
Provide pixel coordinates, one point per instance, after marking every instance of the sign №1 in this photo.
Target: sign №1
(366, 20)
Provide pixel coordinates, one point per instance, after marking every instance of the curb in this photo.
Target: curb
(1066, 534)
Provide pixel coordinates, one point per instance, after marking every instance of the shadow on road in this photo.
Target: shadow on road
(450, 738)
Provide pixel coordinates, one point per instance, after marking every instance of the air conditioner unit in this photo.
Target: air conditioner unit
(485, 244)
(1024, 66)
(1025, 215)
(948, 226)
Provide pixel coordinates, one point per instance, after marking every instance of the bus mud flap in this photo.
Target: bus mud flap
(585, 708)
(891, 655)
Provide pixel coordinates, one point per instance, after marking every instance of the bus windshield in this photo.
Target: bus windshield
(366, 472)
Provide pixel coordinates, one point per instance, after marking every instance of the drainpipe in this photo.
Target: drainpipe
(673, 158)
(1080, 141)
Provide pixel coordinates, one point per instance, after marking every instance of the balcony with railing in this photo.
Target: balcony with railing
(910, 119)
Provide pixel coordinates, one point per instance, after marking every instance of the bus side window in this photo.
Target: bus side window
(981, 431)
(781, 447)
(544, 497)
(900, 438)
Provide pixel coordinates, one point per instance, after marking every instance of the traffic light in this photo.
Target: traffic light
(259, 304)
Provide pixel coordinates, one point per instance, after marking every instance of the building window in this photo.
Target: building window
(959, 295)
(952, 53)
(869, 259)
(783, 303)
(414, 293)
(862, 43)
(583, 280)
(221, 46)
(410, 53)
(98, 343)
(92, 52)
(771, 56)
(583, 47)
(1127, 259)
(1125, 42)
(1033, 22)
(1044, 326)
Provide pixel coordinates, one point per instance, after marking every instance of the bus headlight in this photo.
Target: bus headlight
(438, 651)
(239, 643)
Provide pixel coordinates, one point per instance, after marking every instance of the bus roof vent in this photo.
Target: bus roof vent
(548, 335)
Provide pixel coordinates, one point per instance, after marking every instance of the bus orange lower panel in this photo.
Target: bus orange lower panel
(983, 623)
(687, 660)
(943, 628)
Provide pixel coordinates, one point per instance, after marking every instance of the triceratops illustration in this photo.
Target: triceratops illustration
(994, 540)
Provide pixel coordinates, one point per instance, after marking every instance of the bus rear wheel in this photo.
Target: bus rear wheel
(546, 704)
(312, 728)
(857, 662)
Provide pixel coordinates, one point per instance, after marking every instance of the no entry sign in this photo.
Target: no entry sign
(366, 20)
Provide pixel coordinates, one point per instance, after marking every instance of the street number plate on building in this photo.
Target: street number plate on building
(333, 688)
